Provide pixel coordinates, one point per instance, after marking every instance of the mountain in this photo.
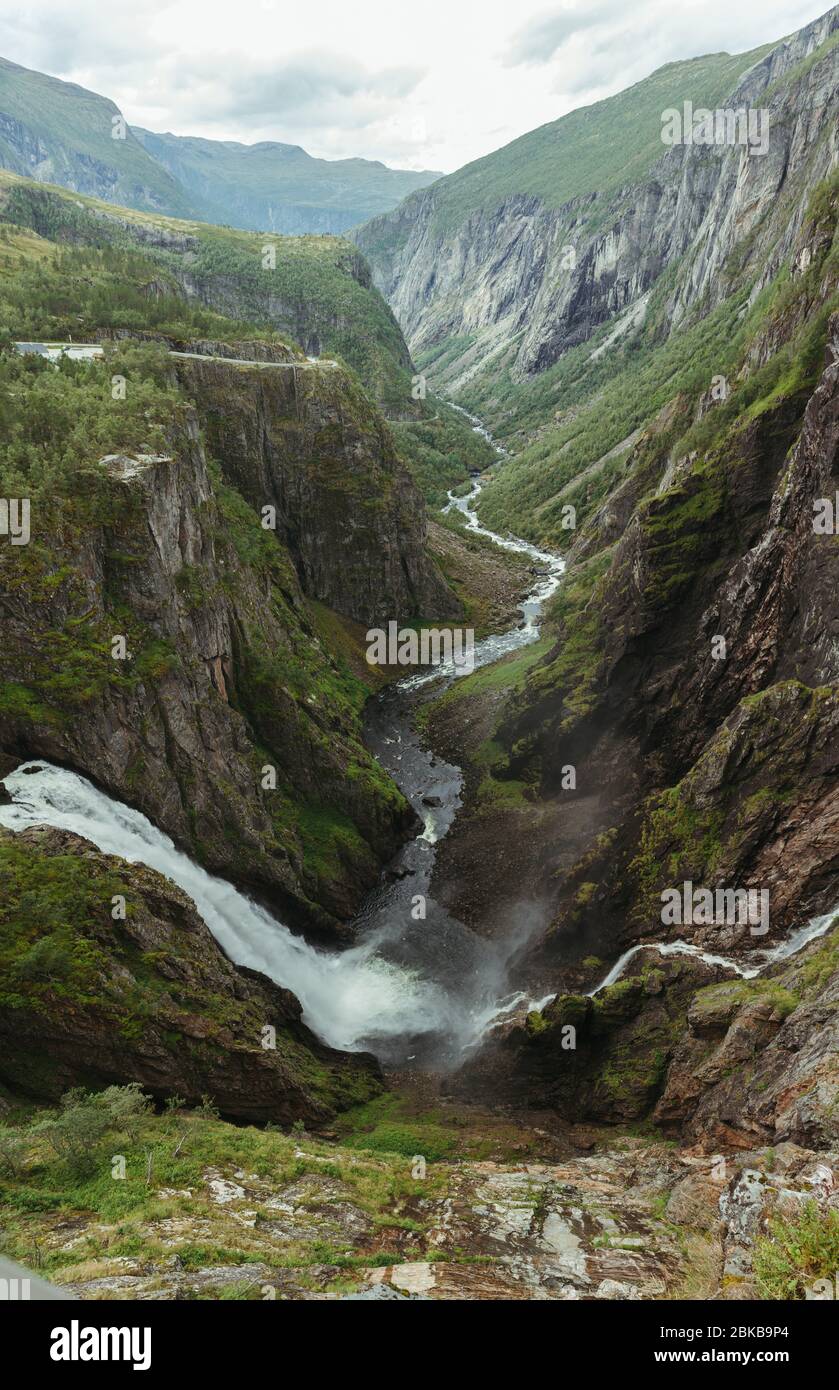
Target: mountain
(672, 409)
(647, 1107)
(224, 617)
(61, 133)
(57, 132)
(524, 255)
(279, 188)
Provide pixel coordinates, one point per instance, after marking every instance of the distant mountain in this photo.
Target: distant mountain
(279, 187)
(57, 132)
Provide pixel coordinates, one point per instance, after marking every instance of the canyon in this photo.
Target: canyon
(390, 1006)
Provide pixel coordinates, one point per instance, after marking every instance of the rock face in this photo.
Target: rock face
(308, 443)
(224, 674)
(759, 1061)
(149, 999)
(500, 273)
(715, 771)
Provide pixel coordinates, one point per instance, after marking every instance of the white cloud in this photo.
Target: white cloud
(540, 37)
(427, 86)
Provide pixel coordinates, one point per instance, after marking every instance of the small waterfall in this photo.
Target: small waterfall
(756, 962)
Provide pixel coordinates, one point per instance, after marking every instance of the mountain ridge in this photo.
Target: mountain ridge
(61, 132)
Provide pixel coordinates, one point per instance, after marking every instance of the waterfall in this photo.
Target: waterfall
(349, 998)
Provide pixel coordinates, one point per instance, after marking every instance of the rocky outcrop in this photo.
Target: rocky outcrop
(306, 441)
(147, 998)
(759, 1060)
(599, 1060)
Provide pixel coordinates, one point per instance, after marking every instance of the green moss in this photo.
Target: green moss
(331, 842)
(721, 1000)
(47, 903)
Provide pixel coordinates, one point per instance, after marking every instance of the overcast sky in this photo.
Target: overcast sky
(423, 85)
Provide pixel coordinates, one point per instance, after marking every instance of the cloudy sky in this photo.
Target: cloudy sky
(422, 84)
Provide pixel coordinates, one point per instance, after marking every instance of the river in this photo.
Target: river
(419, 991)
(414, 990)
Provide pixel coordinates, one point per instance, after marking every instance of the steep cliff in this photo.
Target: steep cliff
(230, 665)
(150, 998)
(681, 728)
(526, 254)
(223, 669)
(308, 442)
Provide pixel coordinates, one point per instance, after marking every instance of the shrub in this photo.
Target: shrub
(797, 1252)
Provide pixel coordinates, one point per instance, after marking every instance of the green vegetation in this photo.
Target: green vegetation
(68, 270)
(326, 302)
(577, 155)
(571, 669)
(318, 295)
(688, 836)
(400, 1123)
(603, 403)
(798, 1252)
(48, 903)
(59, 421)
(439, 450)
(59, 1163)
(54, 294)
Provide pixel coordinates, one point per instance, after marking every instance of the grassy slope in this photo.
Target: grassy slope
(77, 122)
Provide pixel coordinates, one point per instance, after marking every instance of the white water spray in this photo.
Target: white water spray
(349, 998)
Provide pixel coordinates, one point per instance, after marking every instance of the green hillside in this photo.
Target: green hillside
(64, 134)
(281, 187)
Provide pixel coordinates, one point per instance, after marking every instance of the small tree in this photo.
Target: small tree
(13, 1152)
(76, 1130)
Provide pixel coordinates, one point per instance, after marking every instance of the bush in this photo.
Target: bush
(13, 1152)
(76, 1130)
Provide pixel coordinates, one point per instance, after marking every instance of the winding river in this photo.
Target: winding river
(419, 991)
(414, 990)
